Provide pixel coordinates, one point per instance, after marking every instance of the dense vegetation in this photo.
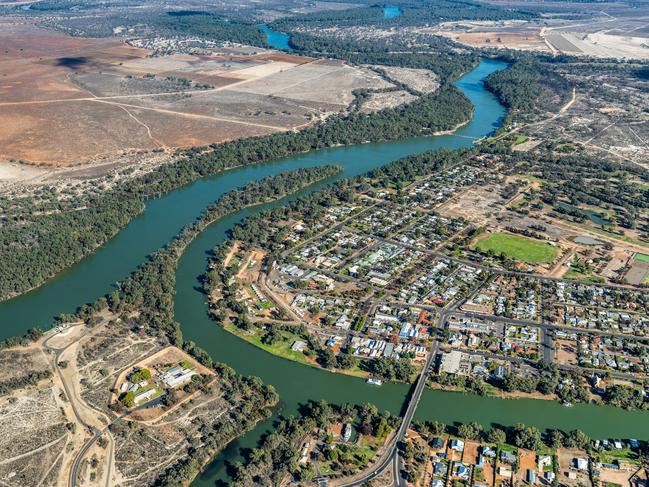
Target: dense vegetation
(518, 86)
(277, 455)
(436, 56)
(206, 25)
(29, 379)
(572, 180)
(412, 13)
(519, 435)
(39, 239)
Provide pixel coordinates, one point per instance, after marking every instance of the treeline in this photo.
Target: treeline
(520, 435)
(207, 25)
(32, 335)
(35, 246)
(518, 86)
(447, 64)
(412, 13)
(30, 379)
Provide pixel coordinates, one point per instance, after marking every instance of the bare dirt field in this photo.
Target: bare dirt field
(388, 99)
(67, 100)
(33, 438)
(503, 34)
(420, 80)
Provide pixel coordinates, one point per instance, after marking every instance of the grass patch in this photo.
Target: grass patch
(282, 348)
(519, 248)
(520, 139)
(641, 257)
(573, 274)
(623, 455)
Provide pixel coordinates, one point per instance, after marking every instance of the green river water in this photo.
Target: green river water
(296, 384)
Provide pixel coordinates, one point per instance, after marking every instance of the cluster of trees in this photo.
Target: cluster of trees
(567, 386)
(412, 13)
(626, 397)
(518, 86)
(520, 435)
(446, 63)
(400, 369)
(581, 179)
(329, 360)
(207, 25)
(29, 379)
(32, 335)
(277, 454)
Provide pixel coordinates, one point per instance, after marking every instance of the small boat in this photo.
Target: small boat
(567, 404)
(374, 382)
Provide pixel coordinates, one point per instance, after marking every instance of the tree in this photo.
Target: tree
(527, 437)
(577, 439)
(128, 400)
(470, 431)
(436, 428)
(326, 358)
(556, 439)
(272, 336)
(496, 435)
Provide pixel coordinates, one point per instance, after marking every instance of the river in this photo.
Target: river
(296, 384)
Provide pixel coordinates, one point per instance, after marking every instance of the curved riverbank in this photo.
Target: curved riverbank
(165, 216)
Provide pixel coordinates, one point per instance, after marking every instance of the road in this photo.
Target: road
(392, 458)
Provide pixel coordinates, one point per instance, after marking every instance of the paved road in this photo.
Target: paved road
(393, 457)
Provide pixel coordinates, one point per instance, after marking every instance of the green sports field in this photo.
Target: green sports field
(641, 257)
(519, 248)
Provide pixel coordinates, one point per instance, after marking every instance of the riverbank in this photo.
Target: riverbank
(282, 350)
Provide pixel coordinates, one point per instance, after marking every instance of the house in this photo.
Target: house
(176, 376)
(549, 476)
(304, 454)
(437, 483)
(544, 461)
(508, 457)
(347, 432)
(439, 468)
(499, 373)
(580, 463)
(530, 476)
(457, 445)
(489, 452)
(144, 396)
(505, 472)
(298, 346)
(437, 443)
(461, 471)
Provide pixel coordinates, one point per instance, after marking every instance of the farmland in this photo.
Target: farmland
(68, 101)
(519, 248)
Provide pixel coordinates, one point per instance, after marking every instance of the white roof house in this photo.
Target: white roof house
(143, 396)
(176, 376)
